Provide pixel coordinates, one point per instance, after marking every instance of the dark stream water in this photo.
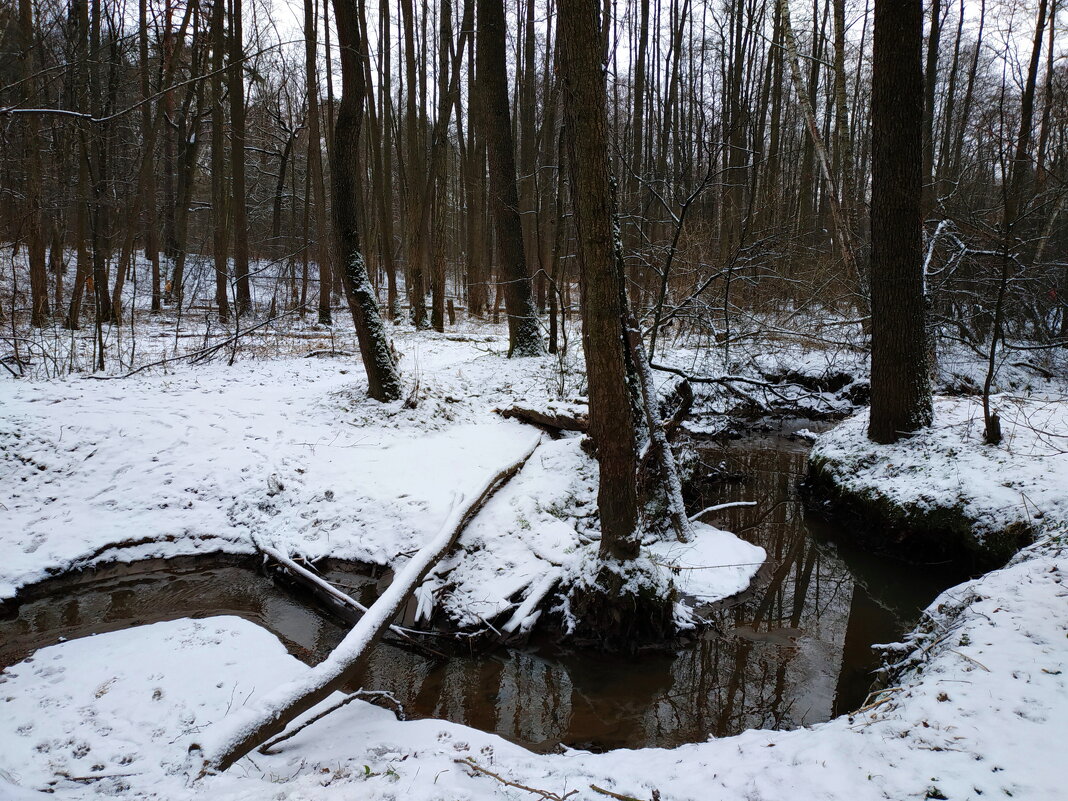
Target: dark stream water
(795, 649)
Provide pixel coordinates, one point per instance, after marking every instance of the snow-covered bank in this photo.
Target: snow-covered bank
(288, 448)
(197, 459)
(942, 488)
(981, 711)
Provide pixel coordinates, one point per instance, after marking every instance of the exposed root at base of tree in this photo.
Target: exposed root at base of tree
(620, 614)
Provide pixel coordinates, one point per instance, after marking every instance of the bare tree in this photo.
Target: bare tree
(900, 388)
(524, 338)
(383, 382)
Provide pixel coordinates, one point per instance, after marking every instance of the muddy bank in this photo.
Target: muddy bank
(911, 532)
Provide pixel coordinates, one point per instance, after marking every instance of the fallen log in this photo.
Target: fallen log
(240, 732)
(717, 507)
(553, 417)
(342, 604)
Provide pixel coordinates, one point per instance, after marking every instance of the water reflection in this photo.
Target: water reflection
(793, 650)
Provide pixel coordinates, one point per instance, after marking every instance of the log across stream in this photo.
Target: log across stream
(793, 650)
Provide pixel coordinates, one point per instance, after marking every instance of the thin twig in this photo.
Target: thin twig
(609, 793)
(546, 794)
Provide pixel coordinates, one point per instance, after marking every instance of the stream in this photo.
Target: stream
(795, 649)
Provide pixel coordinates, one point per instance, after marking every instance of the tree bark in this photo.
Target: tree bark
(220, 230)
(315, 162)
(900, 389)
(236, 77)
(34, 228)
(611, 415)
(383, 382)
(524, 339)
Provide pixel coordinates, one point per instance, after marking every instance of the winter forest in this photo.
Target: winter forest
(533, 399)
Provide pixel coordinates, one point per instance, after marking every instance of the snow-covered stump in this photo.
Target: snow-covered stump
(239, 733)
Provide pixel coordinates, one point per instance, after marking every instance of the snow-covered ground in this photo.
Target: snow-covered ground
(1021, 483)
(982, 712)
(199, 459)
(184, 459)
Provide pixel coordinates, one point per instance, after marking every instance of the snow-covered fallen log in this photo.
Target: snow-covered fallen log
(240, 732)
(318, 585)
(558, 417)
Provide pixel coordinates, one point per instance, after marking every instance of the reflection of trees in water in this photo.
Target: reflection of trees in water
(771, 660)
(136, 596)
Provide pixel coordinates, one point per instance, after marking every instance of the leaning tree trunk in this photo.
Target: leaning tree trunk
(383, 382)
(900, 388)
(524, 339)
(841, 225)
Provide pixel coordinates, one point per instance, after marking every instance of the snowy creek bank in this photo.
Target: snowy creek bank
(794, 649)
(942, 494)
(190, 462)
(978, 709)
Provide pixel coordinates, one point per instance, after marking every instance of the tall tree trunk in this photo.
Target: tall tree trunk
(379, 139)
(523, 335)
(315, 165)
(239, 215)
(843, 138)
(34, 228)
(526, 118)
(79, 16)
(415, 242)
(930, 79)
(148, 173)
(900, 389)
(1020, 170)
(220, 217)
(383, 382)
(99, 219)
(612, 424)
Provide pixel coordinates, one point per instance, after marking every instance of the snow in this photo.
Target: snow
(116, 704)
(216, 744)
(185, 460)
(982, 711)
(715, 564)
(93, 471)
(1021, 481)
